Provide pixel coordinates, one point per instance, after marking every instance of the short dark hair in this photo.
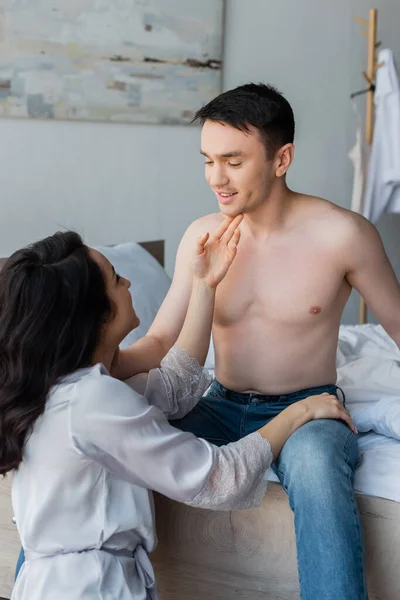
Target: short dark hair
(258, 105)
(53, 303)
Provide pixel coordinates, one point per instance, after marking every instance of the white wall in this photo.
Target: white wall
(112, 183)
(115, 183)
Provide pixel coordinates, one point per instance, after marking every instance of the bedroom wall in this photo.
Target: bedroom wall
(115, 183)
(112, 183)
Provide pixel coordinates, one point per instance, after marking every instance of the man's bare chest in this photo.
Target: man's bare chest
(286, 285)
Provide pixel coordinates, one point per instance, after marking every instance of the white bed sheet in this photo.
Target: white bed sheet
(378, 473)
(368, 363)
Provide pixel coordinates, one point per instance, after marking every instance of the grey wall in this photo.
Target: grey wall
(112, 183)
(115, 183)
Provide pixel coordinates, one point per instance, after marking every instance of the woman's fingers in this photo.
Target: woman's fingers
(340, 412)
(327, 406)
(232, 245)
(227, 227)
(201, 242)
(345, 416)
(233, 242)
(219, 232)
(227, 236)
(236, 236)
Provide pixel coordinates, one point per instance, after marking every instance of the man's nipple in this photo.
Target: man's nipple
(315, 310)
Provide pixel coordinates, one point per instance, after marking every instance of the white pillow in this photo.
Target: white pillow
(382, 417)
(368, 362)
(210, 360)
(149, 282)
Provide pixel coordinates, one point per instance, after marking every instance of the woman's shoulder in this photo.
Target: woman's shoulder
(95, 390)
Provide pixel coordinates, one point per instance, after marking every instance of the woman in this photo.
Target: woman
(86, 449)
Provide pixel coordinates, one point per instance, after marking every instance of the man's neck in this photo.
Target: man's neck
(271, 215)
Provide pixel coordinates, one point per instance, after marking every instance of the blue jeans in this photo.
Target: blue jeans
(316, 468)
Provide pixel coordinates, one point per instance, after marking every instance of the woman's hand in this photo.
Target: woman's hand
(215, 253)
(323, 406)
(327, 406)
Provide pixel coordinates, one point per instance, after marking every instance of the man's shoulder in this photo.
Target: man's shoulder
(205, 224)
(330, 218)
(339, 231)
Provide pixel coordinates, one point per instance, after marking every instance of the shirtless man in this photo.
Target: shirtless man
(276, 323)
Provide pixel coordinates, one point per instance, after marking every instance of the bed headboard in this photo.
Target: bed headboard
(155, 248)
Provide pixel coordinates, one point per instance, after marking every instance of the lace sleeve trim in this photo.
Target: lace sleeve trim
(193, 380)
(239, 476)
(182, 363)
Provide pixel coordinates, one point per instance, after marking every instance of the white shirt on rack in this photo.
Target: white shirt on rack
(383, 178)
(358, 156)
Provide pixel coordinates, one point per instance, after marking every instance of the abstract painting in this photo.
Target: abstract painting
(141, 61)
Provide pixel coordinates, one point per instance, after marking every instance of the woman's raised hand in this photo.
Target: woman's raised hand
(215, 253)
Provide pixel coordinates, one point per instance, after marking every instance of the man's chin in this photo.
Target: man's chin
(229, 211)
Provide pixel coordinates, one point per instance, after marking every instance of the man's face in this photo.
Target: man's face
(236, 167)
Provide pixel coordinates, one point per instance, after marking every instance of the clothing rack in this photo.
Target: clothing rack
(369, 29)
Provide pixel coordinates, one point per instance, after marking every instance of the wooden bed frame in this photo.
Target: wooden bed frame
(251, 555)
(246, 555)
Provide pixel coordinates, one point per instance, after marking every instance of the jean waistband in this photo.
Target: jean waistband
(247, 398)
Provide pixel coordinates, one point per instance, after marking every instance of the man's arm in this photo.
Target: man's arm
(371, 274)
(147, 352)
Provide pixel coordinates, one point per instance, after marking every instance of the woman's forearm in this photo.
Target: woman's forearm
(278, 431)
(196, 331)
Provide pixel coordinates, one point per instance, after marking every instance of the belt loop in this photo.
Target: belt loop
(343, 395)
(222, 390)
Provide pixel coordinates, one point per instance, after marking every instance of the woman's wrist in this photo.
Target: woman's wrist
(201, 284)
(300, 414)
(285, 424)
